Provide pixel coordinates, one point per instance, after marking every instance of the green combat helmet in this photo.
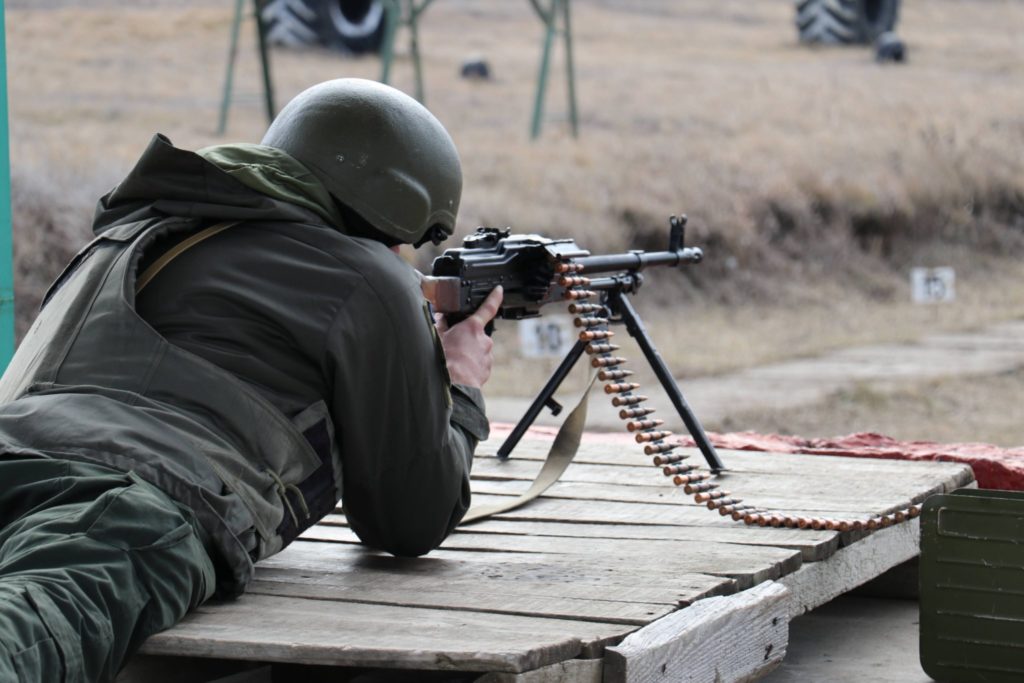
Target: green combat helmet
(377, 151)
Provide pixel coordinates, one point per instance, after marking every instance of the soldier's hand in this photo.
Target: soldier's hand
(467, 346)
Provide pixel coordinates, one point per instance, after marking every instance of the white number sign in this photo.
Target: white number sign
(547, 337)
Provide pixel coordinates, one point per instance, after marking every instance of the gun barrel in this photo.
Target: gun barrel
(638, 260)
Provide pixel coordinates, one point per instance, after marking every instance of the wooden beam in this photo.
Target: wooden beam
(725, 639)
(816, 583)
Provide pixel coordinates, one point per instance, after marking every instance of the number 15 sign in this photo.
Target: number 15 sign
(932, 285)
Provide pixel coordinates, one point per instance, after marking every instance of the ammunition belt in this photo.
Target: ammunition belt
(593, 321)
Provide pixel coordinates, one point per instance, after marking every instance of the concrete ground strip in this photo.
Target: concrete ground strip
(791, 384)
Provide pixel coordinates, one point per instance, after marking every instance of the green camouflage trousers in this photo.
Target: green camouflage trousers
(92, 562)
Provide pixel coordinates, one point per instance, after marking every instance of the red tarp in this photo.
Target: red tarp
(994, 467)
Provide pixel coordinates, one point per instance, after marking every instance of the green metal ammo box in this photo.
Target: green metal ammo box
(972, 586)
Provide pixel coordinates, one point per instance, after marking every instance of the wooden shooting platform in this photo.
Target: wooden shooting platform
(613, 575)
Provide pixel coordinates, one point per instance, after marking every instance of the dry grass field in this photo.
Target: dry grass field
(975, 409)
(814, 178)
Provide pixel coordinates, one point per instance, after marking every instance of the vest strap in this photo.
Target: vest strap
(172, 253)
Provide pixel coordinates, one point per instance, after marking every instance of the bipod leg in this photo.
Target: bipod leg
(620, 305)
(544, 398)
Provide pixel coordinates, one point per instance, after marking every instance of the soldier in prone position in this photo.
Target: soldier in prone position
(238, 349)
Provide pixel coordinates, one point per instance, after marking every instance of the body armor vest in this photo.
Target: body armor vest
(93, 381)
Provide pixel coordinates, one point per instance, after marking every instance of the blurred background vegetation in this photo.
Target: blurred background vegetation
(814, 178)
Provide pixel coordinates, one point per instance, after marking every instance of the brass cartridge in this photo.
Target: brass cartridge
(645, 437)
(618, 401)
(612, 375)
(593, 335)
(595, 349)
(638, 425)
(607, 361)
(628, 413)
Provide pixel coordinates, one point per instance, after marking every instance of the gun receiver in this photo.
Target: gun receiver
(536, 271)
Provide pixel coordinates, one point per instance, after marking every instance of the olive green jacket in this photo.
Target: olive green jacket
(263, 374)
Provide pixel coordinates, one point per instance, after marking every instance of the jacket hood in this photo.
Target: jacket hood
(228, 182)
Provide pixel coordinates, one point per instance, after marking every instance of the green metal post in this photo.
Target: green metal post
(570, 73)
(261, 38)
(392, 17)
(229, 76)
(548, 16)
(6, 259)
(414, 19)
(397, 17)
(414, 50)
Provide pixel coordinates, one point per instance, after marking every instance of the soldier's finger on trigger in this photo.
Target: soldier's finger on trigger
(489, 308)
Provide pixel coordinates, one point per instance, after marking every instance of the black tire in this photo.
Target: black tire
(347, 25)
(352, 25)
(291, 23)
(845, 21)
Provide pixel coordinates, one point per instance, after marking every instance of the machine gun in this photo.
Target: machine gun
(536, 271)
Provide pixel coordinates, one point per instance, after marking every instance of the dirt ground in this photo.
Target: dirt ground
(815, 178)
(986, 409)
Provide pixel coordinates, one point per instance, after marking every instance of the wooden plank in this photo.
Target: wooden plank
(813, 545)
(840, 473)
(466, 596)
(548, 576)
(609, 573)
(549, 509)
(572, 671)
(598, 450)
(853, 497)
(815, 584)
(301, 631)
(726, 640)
(349, 574)
(688, 514)
(747, 565)
(609, 512)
